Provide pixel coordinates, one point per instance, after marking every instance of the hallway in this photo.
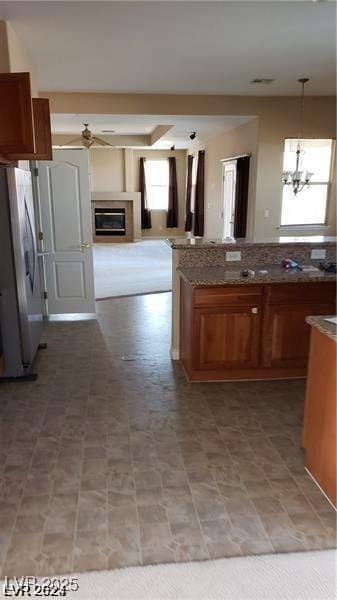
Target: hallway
(112, 459)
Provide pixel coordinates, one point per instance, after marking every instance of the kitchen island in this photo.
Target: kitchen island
(319, 432)
(234, 327)
(248, 254)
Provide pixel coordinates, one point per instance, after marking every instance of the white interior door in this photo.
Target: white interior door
(64, 190)
(228, 211)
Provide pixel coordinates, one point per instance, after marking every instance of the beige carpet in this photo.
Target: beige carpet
(298, 576)
(128, 269)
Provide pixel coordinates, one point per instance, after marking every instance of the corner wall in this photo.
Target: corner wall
(14, 57)
(117, 170)
(240, 140)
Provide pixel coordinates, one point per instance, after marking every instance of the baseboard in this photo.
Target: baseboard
(174, 354)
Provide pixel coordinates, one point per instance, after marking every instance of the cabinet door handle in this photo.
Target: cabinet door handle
(255, 310)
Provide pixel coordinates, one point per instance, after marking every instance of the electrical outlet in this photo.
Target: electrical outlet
(318, 253)
(233, 256)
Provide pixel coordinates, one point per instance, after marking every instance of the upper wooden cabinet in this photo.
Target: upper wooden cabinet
(16, 114)
(25, 131)
(42, 129)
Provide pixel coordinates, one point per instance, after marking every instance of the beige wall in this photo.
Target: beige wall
(117, 170)
(107, 170)
(274, 128)
(240, 140)
(14, 57)
(277, 119)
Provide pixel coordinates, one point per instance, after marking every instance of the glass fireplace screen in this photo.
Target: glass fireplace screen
(110, 221)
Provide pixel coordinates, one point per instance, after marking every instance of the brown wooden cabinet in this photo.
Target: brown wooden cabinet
(319, 433)
(229, 337)
(25, 131)
(249, 332)
(16, 114)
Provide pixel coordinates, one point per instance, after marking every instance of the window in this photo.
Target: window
(309, 206)
(157, 182)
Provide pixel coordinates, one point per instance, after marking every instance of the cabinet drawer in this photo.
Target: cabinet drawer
(301, 293)
(240, 295)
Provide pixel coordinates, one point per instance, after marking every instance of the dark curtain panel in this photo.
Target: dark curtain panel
(188, 213)
(241, 196)
(199, 196)
(145, 213)
(172, 211)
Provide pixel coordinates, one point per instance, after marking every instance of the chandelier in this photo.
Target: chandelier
(298, 179)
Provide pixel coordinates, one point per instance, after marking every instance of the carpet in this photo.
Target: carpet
(297, 576)
(128, 269)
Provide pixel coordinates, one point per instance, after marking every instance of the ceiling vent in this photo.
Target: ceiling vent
(263, 80)
(108, 131)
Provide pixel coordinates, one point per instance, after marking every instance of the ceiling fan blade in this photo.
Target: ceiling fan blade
(77, 139)
(100, 141)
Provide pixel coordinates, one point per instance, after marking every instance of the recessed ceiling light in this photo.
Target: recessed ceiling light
(263, 80)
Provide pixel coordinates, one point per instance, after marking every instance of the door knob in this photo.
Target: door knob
(254, 310)
(85, 245)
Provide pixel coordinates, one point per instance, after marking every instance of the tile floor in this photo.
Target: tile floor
(111, 458)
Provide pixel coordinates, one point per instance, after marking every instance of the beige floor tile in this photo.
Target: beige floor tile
(57, 544)
(92, 518)
(154, 556)
(155, 534)
(102, 454)
(154, 513)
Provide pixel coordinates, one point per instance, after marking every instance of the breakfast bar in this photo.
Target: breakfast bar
(245, 318)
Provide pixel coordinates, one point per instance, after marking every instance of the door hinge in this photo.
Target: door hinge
(40, 235)
(35, 171)
(45, 295)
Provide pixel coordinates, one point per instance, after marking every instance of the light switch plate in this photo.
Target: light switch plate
(318, 253)
(233, 256)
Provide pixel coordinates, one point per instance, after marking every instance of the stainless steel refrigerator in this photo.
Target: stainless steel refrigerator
(21, 298)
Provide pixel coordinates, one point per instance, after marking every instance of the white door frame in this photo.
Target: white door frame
(228, 202)
(67, 233)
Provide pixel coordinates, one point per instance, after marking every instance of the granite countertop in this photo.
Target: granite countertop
(324, 326)
(176, 243)
(215, 276)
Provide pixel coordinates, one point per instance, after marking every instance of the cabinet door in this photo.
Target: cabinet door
(16, 114)
(227, 337)
(42, 133)
(286, 335)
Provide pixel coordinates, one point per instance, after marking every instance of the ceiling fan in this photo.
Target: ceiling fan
(87, 139)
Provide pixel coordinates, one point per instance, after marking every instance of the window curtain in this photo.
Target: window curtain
(199, 196)
(172, 211)
(241, 196)
(145, 213)
(188, 212)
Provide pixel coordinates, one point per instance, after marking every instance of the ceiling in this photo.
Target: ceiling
(128, 127)
(179, 47)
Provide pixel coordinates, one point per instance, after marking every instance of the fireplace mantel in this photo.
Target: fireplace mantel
(134, 197)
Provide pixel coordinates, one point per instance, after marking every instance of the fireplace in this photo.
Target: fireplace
(110, 221)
